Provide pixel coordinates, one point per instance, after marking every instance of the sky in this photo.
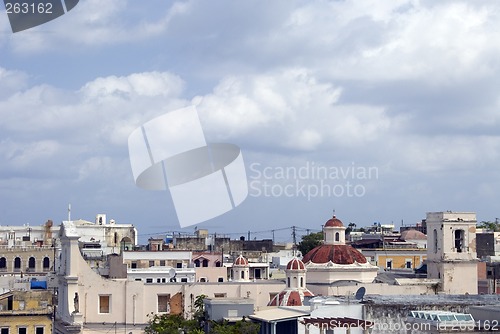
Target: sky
(394, 104)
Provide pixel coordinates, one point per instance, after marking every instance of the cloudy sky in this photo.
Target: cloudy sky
(398, 100)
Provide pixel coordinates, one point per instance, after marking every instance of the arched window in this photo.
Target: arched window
(242, 275)
(31, 263)
(288, 282)
(197, 263)
(46, 263)
(205, 263)
(337, 236)
(217, 264)
(302, 282)
(17, 264)
(3, 263)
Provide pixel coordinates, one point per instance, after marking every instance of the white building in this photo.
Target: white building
(90, 303)
(334, 260)
(451, 255)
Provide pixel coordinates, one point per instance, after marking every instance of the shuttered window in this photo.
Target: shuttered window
(163, 303)
(104, 303)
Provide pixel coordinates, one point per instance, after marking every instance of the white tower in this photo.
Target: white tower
(241, 270)
(451, 251)
(334, 232)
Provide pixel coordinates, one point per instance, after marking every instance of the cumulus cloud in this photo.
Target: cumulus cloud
(407, 86)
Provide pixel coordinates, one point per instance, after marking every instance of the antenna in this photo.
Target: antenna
(69, 212)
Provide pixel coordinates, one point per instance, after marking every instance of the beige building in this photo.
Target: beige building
(451, 256)
(90, 303)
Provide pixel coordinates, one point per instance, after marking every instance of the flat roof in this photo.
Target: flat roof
(278, 314)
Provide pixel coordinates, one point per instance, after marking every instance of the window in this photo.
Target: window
(149, 280)
(302, 282)
(31, 263)
(435, 239)
(220, 279)
(22, 330)
(242, 275)
(220, 295)
(162, 263)
(3, 264)
(4, 330)
(164, 280)
(17, 264)
(288, 282)
(388, 264)
(158, 280)
(151, 263)
(205, 263)
(218, 264)
(39, 330)
(179, 264)
(257, 273)
(203, 279)
(133, 265)
(46, 263)
(184, 280)
(163, 303)
(104, 302)
(196, 263)
(138, 279)
(337, 236)
(459, 240)
(408, 264)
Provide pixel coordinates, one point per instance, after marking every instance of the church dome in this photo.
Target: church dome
(412, 235)
(295, 264)
(338, 254)
(240, 261)
(334, 222)
(290, 298)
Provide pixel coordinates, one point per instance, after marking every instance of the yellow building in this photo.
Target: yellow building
(396, 258)
(26, 312)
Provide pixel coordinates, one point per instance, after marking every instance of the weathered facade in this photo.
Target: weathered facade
(451, 255)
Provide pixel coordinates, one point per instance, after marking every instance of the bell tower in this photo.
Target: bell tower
(451, 251)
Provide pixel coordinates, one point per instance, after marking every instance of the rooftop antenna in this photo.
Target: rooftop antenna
(69, 212)
(334, 212)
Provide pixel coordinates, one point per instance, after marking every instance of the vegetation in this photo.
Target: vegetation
(491, 226)
(175, 323)
(310, 241)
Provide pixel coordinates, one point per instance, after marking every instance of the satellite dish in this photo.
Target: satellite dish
(172, 273)
(360, 293)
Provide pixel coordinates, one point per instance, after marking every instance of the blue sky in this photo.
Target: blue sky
(408, 87)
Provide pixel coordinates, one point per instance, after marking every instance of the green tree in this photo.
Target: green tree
(487, 225)
(310, 241)
(240, 327)
(170, 324)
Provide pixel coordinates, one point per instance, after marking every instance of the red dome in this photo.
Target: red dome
(338, 254)
(295, 264)
(290, 298)
(240, 261)
(334, 222)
